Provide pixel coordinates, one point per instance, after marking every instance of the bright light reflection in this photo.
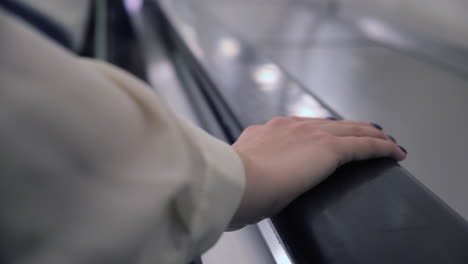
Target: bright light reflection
(282, 258)
(373, 27)
(160, 70)
(190, 36)
(379, 30)
(268, 76)
(307, 106)
(229, 47)
(133, 6)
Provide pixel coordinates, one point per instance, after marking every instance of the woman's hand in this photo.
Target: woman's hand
(289, 155)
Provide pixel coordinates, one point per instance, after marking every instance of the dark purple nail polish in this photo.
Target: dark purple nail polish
(403, 149)
(332, 118)
(376, 126)
(392, 138)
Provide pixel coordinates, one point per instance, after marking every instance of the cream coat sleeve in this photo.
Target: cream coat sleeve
(93, 167)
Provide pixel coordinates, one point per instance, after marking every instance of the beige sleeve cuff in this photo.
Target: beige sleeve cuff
(223, 186)
(216, 179)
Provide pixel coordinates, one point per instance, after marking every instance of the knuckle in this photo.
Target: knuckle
(300, 127)
(381, 134)
(362, 123)
(252, 128)
(379, 145)
(279, 120)
(357, 130)
(295, 118)
(325, 138)
(375, 133)
(392, 146)
(387, 148)
(336, 147)
(368, 142)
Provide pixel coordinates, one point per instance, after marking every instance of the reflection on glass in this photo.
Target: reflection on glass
(268, 76)
(133, 6)
(191, 39)
(282, 258)
(161, 70)
(229, 47)
(307, 106)
(378, 30)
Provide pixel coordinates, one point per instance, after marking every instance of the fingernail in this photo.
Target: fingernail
(376, 126)
(403, 149)
(331, 118)
(392, 138)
